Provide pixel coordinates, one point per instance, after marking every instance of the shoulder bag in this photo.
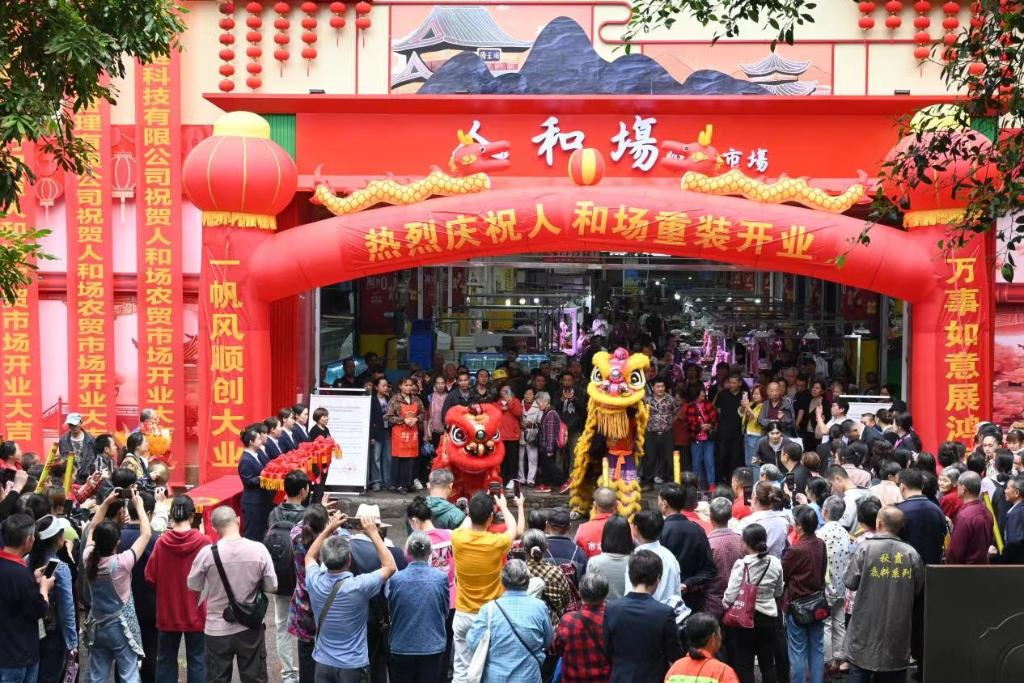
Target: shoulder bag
(478, 663)
(522, 642)
(248, 614)
(811, 608)
(326, 608)
(740, 613)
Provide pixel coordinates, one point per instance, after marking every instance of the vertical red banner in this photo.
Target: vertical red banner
(20, 407)
(159, 255)
(92, 386)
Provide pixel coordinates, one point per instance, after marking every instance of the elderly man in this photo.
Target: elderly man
(726, 548)
(887, 575)
(251, 570)
(341, 601)
(148, 419)
(838, 548)
(584, 659)
(439, 487)
(519, 627)
(972, 531)
(588, 535)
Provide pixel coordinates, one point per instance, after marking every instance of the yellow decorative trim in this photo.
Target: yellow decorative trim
(923, 219)
(243, 124)
(213, 219)
(782, 190)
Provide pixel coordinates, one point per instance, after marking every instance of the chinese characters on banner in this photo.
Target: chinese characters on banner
(961, 315)
(91, 383)
(20, 408)
(158, 215)
(636, 139)
(226, 365)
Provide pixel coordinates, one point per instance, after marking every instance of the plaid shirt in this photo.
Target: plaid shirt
(696, 416)
(556, 592)
(579, 640)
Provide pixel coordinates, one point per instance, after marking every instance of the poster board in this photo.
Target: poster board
(349, 423)
(866, 404)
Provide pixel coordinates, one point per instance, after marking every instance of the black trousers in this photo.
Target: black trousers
(248, 647)
(377, 644)
(254, 521)
(415, 668)
(657, 455)
(147, 671)
(685, 457)
(759, 641)
(402, 471)
(728, 455)
(510, 465)
(550, 473)
(330, 674)
(307, 667)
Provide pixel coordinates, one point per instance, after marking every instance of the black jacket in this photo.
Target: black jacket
(641, 638)
(573, 412)
(455, 398)
(689, 544)
(924, 528)
(378, 426)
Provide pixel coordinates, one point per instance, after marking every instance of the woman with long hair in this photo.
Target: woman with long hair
(531, 432)
(136, 455)
(807, 425)
(61, 627)
(764, 571)
(613, 562)
(112, 629)
(301, 620)
(750, 412)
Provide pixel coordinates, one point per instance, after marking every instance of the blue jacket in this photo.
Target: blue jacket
(249, 470)
(924, 528)
(418, 600)
(641, 638)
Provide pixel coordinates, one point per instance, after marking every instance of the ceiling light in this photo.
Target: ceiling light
(522, 301)
(728, 299)
(697, 299)
(676, 296)
(536, 300)
(508, 302)
(861, 330)
(757, 301)
(657, 283)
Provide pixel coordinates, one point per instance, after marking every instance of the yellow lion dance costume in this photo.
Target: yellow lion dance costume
(618, 413)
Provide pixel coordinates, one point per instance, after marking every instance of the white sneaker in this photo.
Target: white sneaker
(510, 486)
(416, 485)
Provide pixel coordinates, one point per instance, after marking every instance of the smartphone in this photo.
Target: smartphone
(51, 567)
(517, 488)
(494, 489)
(69, 507)
(124, 494)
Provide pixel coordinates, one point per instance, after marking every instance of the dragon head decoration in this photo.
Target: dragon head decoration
(698, 156)
(472, 156)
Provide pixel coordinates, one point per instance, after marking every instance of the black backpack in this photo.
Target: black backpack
(278, 542)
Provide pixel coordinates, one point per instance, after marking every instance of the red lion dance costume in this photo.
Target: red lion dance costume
(471, 448)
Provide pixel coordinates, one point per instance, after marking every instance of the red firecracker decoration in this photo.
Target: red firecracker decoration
(893, 21)
(254, 37)
(363, 18)
(308, 32)
(866, 22)
(337, 19)
(227, 39)
(281, 25)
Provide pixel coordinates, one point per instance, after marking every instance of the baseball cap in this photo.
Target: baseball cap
(74, 419)
(559, 518)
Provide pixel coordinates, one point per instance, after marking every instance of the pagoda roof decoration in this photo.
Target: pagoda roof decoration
(775, 63)
(455, 27)
(415, 70)
(791, 87)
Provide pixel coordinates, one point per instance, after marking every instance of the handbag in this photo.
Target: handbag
(475, 671)
(740, 613)
(248, 614)
(811, 608)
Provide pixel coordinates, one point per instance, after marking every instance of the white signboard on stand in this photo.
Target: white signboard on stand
(349, 423)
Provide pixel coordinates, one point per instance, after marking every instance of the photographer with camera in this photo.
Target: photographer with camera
(235, 608)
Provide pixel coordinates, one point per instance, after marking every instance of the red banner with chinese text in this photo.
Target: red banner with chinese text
(159, 257)
(91, 381)
(20, 409)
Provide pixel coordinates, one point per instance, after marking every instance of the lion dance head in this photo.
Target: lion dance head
(471, 448)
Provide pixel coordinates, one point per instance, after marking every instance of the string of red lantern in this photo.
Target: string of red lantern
(281, 38)
(921, 22)
(337, 19)
(893, 21)
(866, 22)
(363, 19)
(309, 32)
(950, 23)
(227, 40)
(254, 52)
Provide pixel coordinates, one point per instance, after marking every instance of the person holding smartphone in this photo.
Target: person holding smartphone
(61, 640)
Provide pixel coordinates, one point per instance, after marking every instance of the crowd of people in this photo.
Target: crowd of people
(795, 531)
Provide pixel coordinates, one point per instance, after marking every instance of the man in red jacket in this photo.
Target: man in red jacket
(177, 613)
(972, 531)
(588, 536)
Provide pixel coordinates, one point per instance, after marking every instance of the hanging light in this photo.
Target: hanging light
(536, 300)
(508, 302)
(677, 296)
(522, 301)
(861, 330)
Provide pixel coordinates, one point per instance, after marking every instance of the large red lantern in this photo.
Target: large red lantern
(125, 178)
(239, 176)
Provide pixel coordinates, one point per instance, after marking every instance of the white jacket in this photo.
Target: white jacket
(766, 572)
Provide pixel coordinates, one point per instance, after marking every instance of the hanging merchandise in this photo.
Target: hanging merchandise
(281, 38)
(254, 52)
(227, 39)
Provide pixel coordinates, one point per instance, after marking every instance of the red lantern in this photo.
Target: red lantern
(942, 200)
(362, 20)
(227, 55)
(308, 37)
(254, 37)
(281, 37)
(240, 177)
(363, 23)
(227, 39)
(227, 70)
(125, 177)
(866, 23)
(337, 19)
(282, 8)
(893, 21)
(586, 166)
(227, 85)
(254, 52)
(309, 32)
(254, 7)
(308, 8)
(309, 53)
(921, 53)
(281, 55)
(362, 7)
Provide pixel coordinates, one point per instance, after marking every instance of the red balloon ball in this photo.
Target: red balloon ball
(281, 38)
(338, 7)
(309, 37)
(254, 7)
(363, 23)
(226, 85)
(363, 7)
(227, 39)
(337, 22)
(253, 52)
(227, 55)
(309, 53)
(282, 24)
(893, 21)
(866, 23)
(282, 7)
(921, 52)
(254, 67)
(254, 36)
(308, 23)
(281, 55)
(227, 70)
(309, 7)
(254, 83)
(226, 24)
(253, 22)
